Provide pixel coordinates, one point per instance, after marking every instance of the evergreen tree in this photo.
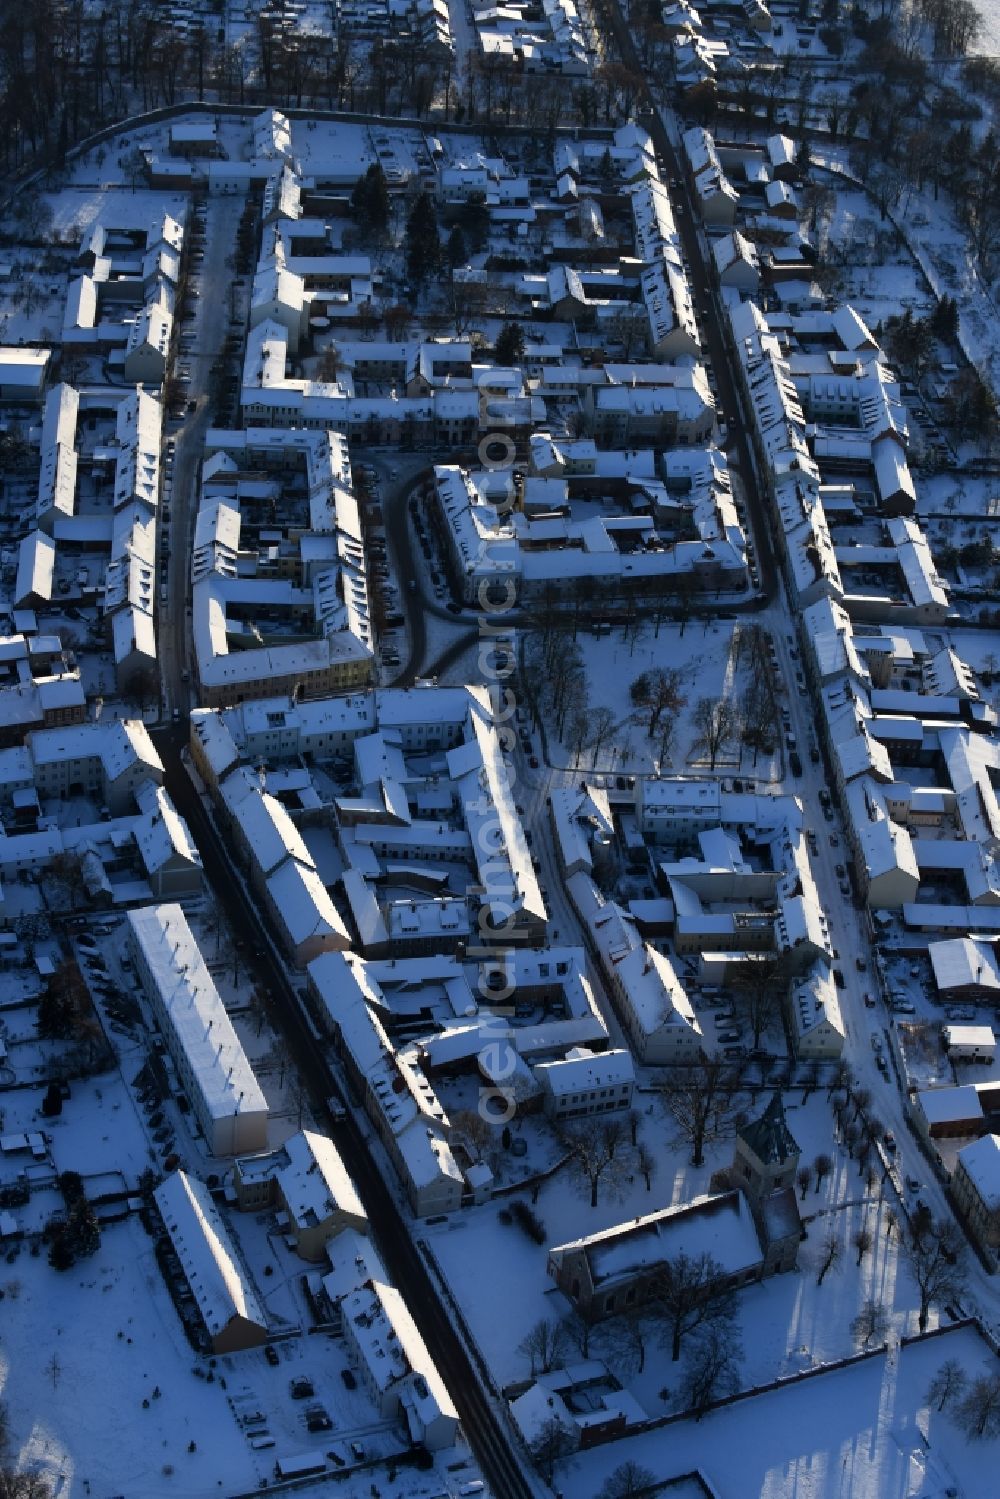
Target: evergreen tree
(456, 249)
(423, 245)
(474, 219)
(370, 201)
(510, 344)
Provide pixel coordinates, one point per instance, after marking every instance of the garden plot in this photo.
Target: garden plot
(960, 495)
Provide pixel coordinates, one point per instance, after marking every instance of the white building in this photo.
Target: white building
(817, 1023)
(651, 1002)
(396, 1370)
(224, 1093)
(586, 1082)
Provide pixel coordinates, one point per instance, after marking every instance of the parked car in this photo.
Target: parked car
(727, 1037)
(350, 1383)
(271, 1354)
(838, 979)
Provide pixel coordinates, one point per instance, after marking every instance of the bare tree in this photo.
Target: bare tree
(281, 1058)
(477, 1130)
(870, 1325)
(594, 1157)
(833, 1251)
(822, 1165)
(258, 1007)
(297, 1097)
(545, 1345)
(603, 724)
(978, 1411)
(552, 1442)
(700, 1101)
(717, 721)
(839, 1078)
(947, 1384)
(623, 1341)
(645, 1162)
(757, 991)
(712, 1370)
(690, 1291)
(627, 1482)
(803, 1177)
(655, 693)
(937, 1262)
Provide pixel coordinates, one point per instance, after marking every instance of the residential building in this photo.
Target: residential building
(227, 1301)
(219, 1082)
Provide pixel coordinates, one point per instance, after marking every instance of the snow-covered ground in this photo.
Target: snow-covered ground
(702, 650)
(82, 1350)
(788, 1322)
(939, 245)
(864, 1430)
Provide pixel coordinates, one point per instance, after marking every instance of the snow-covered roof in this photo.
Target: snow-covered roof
(582, 1071)
(304, 905)
(196, 1012)
(207, 1254)
(962, 962)
(719, 1224)
(314, 1181)
(981, 1163)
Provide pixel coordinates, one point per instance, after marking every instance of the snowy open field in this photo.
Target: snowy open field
(70, 1381)
(864, 1432)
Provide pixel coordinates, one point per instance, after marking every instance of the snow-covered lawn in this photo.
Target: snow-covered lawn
(82, 1350)
(865, 1432)
(703, 652)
